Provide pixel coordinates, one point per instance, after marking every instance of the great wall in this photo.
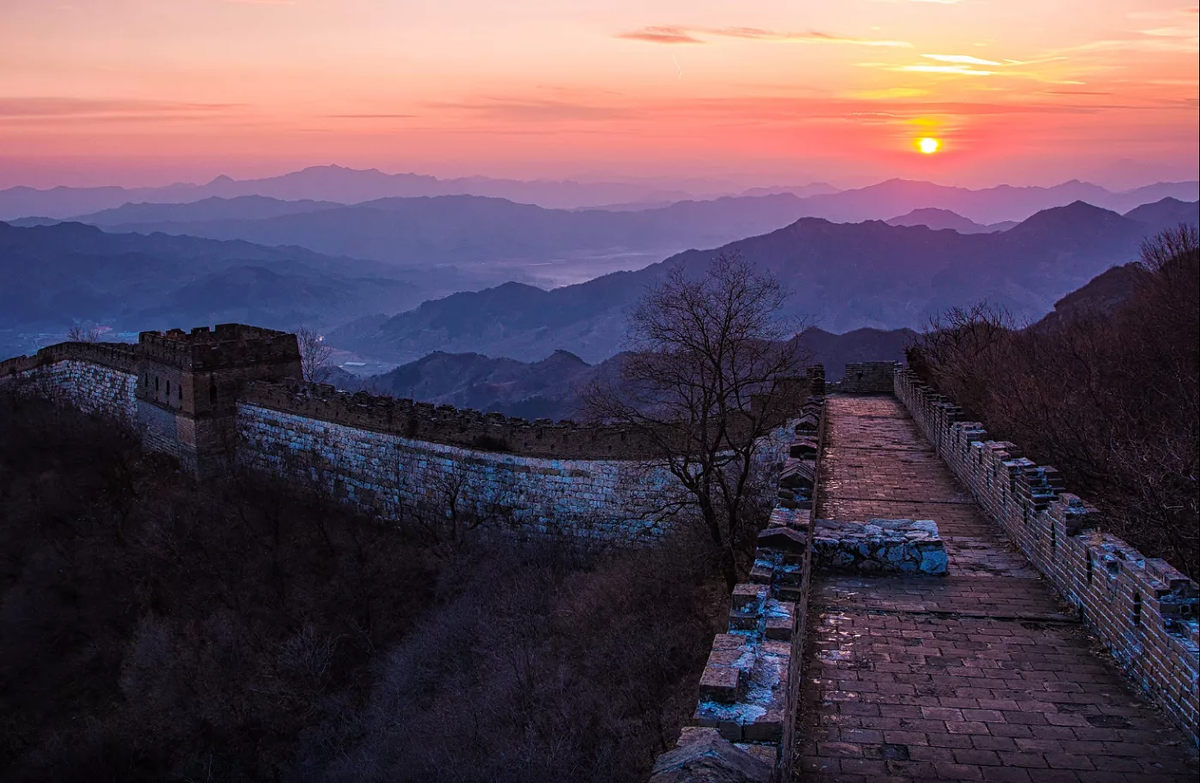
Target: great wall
(925, 603)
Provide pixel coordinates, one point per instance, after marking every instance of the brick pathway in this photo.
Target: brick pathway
(975, 676)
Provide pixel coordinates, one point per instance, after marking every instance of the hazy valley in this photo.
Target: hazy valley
(396, 278)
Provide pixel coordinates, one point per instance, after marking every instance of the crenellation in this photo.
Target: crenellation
(120, 357)
(748, 693)
(606, 501)
(867, 378)
(1143, 609)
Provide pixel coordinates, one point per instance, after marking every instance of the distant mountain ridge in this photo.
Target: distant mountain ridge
(329, 183)
(57, 275)
(849, 276)
(943, 219)
(490, 240)
(550, 388)
(460, 230)
(985, 206)
(350, 186)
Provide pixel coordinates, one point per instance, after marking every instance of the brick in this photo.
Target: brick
(948, 650)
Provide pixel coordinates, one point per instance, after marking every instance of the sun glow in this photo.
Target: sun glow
(928, 145)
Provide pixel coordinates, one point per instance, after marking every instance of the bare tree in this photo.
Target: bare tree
(445, 507)
(955, 348)
(714, 369)
(315, 355)
(1108, 394)
(78, 333)
(1171, 247)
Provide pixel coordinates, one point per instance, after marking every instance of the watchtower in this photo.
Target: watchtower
(187, 386)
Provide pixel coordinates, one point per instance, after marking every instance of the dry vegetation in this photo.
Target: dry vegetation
(1110, 398)
(155, 630)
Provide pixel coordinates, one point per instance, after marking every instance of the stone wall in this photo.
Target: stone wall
(197, 395)
(115, 356)
(454, 426)
(868, 378)
(614, 501)
(879, 547)
(1143, 610)
(602, 501)
(89, 386)
(745, 719)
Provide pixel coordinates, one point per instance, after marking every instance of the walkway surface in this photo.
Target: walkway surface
(975, 676)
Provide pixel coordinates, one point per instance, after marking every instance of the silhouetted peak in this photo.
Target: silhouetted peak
(562, 358)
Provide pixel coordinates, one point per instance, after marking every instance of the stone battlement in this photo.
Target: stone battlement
(117, 356)
(207, 372)
(867, 378)
(744, 725)
(1143, 609)
(224, 347)
(446, 424)
(232, 397)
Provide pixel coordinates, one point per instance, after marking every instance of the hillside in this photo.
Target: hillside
(1166, 212)
(159, 629)
(943, 219)
(1103, 294)
(330, 183)
(843, 277)
(550, 388)
(56, 275)
(498, 239)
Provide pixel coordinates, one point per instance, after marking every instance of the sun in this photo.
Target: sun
(928, 145)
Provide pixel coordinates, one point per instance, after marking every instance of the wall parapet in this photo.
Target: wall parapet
(1143, 609)
(224, 347)
(868, 378)
(448, 425)
(115, 356)
(744, 726)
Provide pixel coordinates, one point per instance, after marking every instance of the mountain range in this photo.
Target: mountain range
(61, 274)
(332, 183)
(843, 276)
(351, 186)
(943, 219)
(550, 388)
(492, 240)
(489, 241)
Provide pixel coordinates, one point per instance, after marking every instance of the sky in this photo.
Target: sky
(145, 92)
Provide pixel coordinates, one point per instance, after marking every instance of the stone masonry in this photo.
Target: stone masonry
(878, 546)
(207, 396)
(744, 722)
(980, 675)
(605, 501)
(1141, 609)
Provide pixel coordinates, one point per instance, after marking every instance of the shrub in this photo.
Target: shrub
(1109, 397)
(152, 629)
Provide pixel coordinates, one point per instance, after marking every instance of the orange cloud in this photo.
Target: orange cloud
(661, 35)
(103, 107)
(678, 34)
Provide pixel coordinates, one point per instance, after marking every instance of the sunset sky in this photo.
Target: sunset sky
(762, 91)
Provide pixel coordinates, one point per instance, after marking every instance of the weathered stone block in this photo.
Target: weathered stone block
(719, 683)
(703, 756)
(880, 546)
(748, 598)
(783, 539)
